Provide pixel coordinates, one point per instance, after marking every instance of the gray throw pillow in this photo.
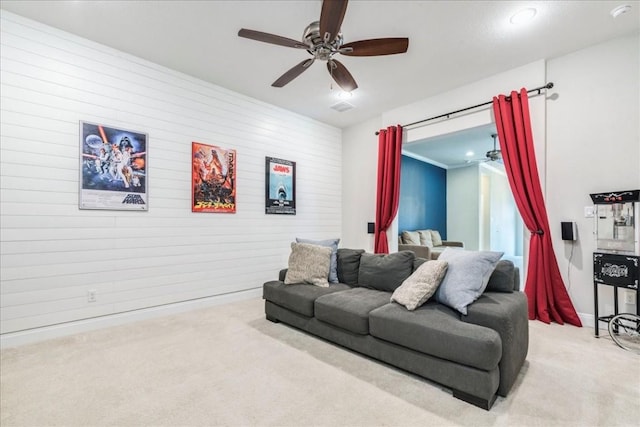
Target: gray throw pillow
(308, 264)
(331, 243)
(348, 265)
(385, 272)
(421, 285)
(467, 276)
(503, 277)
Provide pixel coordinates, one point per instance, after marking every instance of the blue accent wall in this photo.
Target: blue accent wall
(423, 197)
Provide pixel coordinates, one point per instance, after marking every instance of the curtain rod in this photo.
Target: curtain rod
(538, 89)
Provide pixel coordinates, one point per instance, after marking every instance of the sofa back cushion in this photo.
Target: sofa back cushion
(348, 261)
(410, 238)
(385, 272)
(503, 278)
(425, 238)
(436, 238)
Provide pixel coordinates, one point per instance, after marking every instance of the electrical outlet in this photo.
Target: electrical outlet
(629, 297)
(91, 295)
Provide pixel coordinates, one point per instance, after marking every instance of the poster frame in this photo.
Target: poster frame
(104, 184)
(280, 180)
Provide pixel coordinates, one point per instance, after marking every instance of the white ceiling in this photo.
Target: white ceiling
(452, 43)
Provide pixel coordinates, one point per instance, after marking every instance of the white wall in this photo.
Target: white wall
(587, 140)
(53, 253)
(593, 135)
(359, 184)
(463, 206)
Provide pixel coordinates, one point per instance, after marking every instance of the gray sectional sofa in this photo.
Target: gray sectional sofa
(478, 355)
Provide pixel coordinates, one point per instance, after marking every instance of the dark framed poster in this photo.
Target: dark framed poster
(213, 179)
(280, 191)
(113, 168)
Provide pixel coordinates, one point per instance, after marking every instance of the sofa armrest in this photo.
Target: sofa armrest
(507, 314)
(452, 243)
(282, 274)
(419, 250)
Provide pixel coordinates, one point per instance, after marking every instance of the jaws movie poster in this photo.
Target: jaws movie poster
(280, 187)
(213, 179)
(113, 168)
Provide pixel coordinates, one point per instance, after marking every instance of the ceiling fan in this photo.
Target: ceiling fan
(494, 155)
(323, 39)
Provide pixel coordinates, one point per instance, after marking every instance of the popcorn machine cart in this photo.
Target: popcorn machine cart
(616, 261)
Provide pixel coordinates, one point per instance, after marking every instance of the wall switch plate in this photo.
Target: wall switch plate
(630, 297)
(588, 212)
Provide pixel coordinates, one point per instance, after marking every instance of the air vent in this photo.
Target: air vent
(342, 106)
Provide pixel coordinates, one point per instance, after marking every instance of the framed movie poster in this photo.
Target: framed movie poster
(280, 192)
(113, 168)
(213, 181)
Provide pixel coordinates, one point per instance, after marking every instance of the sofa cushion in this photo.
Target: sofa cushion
(350, 309)
(436, 238)
(308, 264)
(437, 330)
(421, 285)
(425, 238)
(348, 265)
(330, 243)
(385, 272)
(410, 238)
(503, 277)
(466, 278)
(298, 298)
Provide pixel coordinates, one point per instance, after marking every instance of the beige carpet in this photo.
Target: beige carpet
(227, 365)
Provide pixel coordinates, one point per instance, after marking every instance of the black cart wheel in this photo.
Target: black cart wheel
(624, 328)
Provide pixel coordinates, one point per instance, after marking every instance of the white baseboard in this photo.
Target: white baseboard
(14, 339)
(587, 320)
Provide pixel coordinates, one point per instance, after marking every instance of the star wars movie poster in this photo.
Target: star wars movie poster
(280, 186)
(213, 179)
(113, 168)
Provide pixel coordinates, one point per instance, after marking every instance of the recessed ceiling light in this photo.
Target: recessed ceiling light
(344, 95)
(469, 153)
(617, 11)
(525, 15)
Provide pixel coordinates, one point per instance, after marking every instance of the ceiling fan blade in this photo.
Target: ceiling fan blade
(293, 73)
(341, 75)
(375, 47)
(331, 18)
(271, 38)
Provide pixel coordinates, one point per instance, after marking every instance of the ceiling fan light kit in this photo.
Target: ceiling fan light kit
(491, 155)
(323, 39)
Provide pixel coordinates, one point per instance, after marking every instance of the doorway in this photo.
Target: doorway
(479, 205)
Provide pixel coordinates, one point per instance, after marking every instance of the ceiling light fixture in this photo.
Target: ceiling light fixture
(344, 95)
(617, 11)
(469, 153)
(523, 16)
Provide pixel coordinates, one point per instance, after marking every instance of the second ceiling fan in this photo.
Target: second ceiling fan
(323, 39)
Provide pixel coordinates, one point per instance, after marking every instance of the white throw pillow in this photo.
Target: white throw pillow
(421, 285)
(308, 264)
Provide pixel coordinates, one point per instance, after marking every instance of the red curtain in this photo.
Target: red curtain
(389, 156)
(547, 296)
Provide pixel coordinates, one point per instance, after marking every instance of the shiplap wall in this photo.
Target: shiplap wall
(52, 253)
